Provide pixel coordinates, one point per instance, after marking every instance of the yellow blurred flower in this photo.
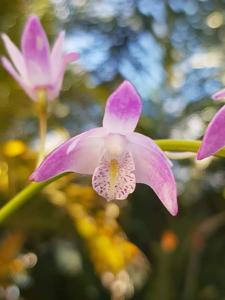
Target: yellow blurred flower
(86, 227)
(14, 148)
(96, 222)
(11, 261)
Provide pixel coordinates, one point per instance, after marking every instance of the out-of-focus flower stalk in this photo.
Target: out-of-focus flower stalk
(42, 114)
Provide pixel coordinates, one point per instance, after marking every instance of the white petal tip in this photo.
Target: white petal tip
(4, 36)
(174, 212)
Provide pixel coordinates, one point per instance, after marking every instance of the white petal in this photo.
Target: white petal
(15, 55)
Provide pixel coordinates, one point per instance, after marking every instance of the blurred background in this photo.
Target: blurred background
(70, 244)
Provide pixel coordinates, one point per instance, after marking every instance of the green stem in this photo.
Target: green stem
(42, 113)
(23, 197)
(184, 146)
(34, 188)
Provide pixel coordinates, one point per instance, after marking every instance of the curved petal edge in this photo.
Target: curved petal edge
(152, 167)
(214, 138)
(79, 154)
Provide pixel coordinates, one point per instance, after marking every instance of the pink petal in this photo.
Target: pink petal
(219, 95)
(15, 56)
(69, 57)
(123, 109)
(57, 53)
(115, 179)
(36, 53)
(214, 138)
(79, 154)
(8, 66)
(59, 74)
(153, 168)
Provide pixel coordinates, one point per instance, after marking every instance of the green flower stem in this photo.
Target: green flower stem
(23, 197)
(183, 146)
(34, 188)
(42, 114)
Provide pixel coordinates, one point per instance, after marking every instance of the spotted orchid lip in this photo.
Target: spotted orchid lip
(115, 155)
(115, 179)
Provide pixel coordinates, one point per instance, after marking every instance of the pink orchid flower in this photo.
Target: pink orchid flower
(115, 155)
(214, 137)
(35, 67)
(219, 95)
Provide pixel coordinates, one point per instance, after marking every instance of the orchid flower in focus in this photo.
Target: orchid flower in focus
(214, 137)
(115, 155)
(35, 67)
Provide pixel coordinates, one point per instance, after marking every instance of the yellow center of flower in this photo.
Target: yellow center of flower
(113, 170)
(113, 173)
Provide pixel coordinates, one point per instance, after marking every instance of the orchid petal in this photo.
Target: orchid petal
(15, 55)
(8, 66)
(36, 53)
(57, 49)
(219, 95)
(59, 74)
(214, 138)
(79, 154)
(153, 168)
(57, 53)
(123, 109)
(69, 57)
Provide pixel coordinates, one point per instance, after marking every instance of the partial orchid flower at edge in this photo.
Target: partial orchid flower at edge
(214, 137)
(38, 70)
(115, 155)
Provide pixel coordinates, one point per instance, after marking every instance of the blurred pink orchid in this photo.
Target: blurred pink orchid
(220, 95)
(115, 155)
(214, 137)
(36, 69)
